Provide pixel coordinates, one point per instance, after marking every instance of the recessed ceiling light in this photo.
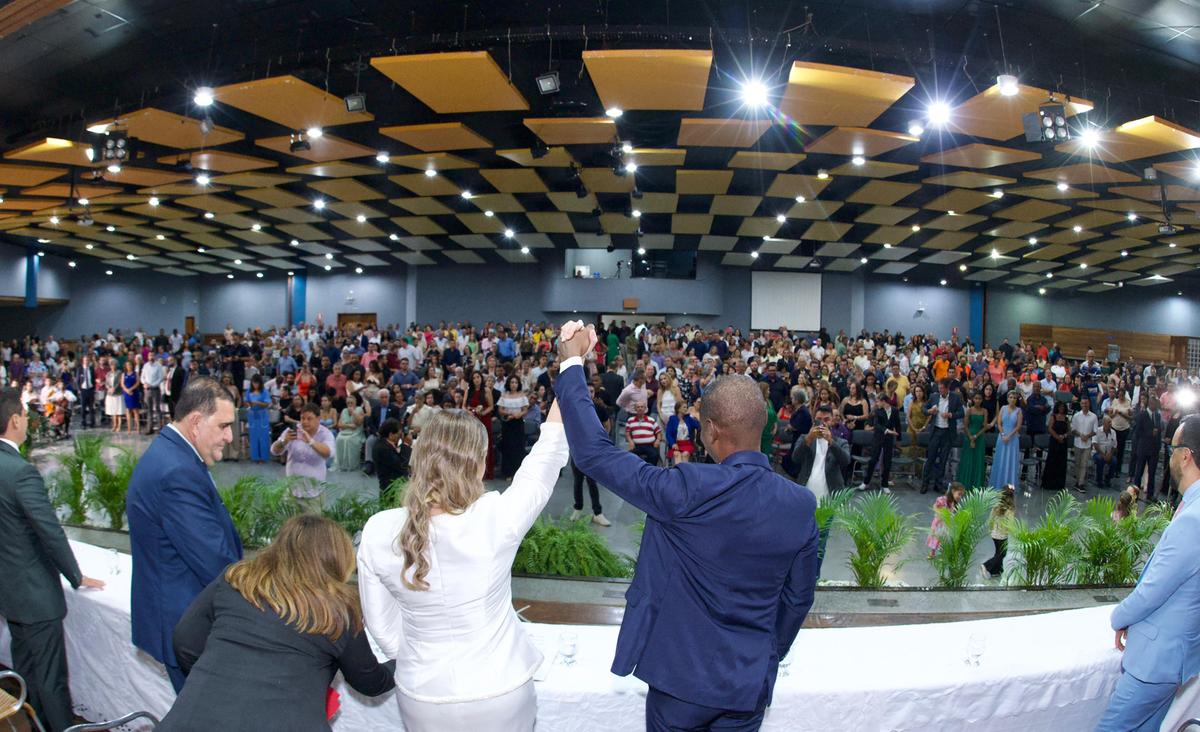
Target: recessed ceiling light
(153, 201)
(1171, 245)
(328, 268)
(319, 204)
(237, 261)
(108, 272)
(1077, 228)
(430, 172)
(329, 255)
(626, 147)
(1124, 252)
(637, 214)
(84, 202)
(781, 219)
(255, 227)
(822, 174)
(800, 199)
(296, 243)
(314, 133)
(631, 167)
(943, 283)
(361, 218)
(962, 268)
(258, 275)
(1062, 186)
(1090, 137)
(358, 270)
(54, 219)
(466, 195)
(209, 215)
(938, 114)
(43, 241)
(1033, 241)
(229, 276)
(916, 228)
(71, 263)
(291, 274)
(997, 193)
(863, 260)
(394, 237)
(382, 157)
(203, 179)
(114, 168)
(1008, 85)
(524, 250)
(201, 250)
(754, 255)
(858, 160)
(489, 213)
(641, 250)
(42, 254)
(1131, 216)
(509, 233)
(89, 246)
(754, 93)
(203, 97)
(614, 112)
(915, 128)
(110, 228)
(887, 246)
(1041, 290)
(130, 257)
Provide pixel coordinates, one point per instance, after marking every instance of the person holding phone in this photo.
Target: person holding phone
(820, 456)
(306, 448)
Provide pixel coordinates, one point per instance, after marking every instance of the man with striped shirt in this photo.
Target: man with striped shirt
(643, 434)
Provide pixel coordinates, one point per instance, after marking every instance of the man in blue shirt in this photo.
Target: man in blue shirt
(1158, 624)
(406, 379)
(506, 348)
(286, 364)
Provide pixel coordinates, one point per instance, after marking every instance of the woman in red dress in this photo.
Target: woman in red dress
(479, 403)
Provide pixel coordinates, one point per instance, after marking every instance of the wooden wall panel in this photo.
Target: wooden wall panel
(1074, 342)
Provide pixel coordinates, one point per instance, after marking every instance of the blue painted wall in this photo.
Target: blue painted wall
(1149, 310)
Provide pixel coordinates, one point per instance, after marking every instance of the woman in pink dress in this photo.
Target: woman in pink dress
(950, 501)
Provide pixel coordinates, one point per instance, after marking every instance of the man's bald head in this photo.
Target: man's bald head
(735, 405)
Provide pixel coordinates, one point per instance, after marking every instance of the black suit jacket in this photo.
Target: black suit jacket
(379, 416)
(35, 549)
(178, 380)
(881, 421)
(956, 410)
(1143, 429)
(390, 463)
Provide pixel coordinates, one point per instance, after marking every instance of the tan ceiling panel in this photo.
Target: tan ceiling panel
(1140, 138)
(758, 226)
(568, 201)
(955, 222)
(65, 190)
(289, 101)
(650, 157)
(1032, 211)
(453, 83)
(275, 197)
(813, 209)
(189, 188)
(1053, 251)
(1002, 246)
(497, 202)
(432, 161)
(980, 155)
(335, 169)
(858, 141)
(1185, 170)
(1154, 193)
(960, 200)
(1140, 231)
(826, 231)
(661, 78)
(556, 157)
(946, 240)
(145, 176)
(1015, 229)
(734, 205)
(160, 211)
(27, 175)
(551, 222)
(1052, 193)
(514, 180)
(820, 94)
(1069, 236)
(618, 223)
(477, 223)
(889, 235)
(697, 132)
(437, 136)
(691, 223)
(169, 129)
(28, 204)
(293, 215)
(995, 116)
(354, 209)
(1091, 220)
(1083, 174)
(603, 180)
(423, 185)
(359, 229)
(219, 161)
(969, 179)
(421, 206)
(325, 149)
(215, 204)
(573, 130)
(765, 160)
(882, 193)
(873, 169)
(346, 189)
(1134, 264)
(1117, 244)
(789, 185)
(885, 215)
(1126, 205)
(304, 232)
(701, 181)
(255, 180)
(657, 202)
(53, 150)
(210, 240)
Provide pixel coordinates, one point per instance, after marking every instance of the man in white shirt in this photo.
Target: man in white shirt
(153, 374)
(1104, 453)
(1083, 427)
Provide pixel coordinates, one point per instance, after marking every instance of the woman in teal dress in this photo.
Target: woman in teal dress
(258, 419)
(971, 468)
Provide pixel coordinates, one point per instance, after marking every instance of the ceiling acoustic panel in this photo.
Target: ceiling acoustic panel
(969, 179)
(1140, 138)
(663, 78)
(432, 161)
(437, 136)
(821, 94)
(695, 132)
(219, 161)
(324, 150)
(755, 160)
(457, 82)
(169, 129)
(28, 175)
(994, 116)
(858, 141)
(555, 157)
(1083, 174)
(514, 180)
(698, 182)
(289, 101)
(53, 150)
(980, 155)
(882, 193)
(874, 169)
(573, 130)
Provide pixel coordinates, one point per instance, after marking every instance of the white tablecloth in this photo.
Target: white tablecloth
(1051, 672)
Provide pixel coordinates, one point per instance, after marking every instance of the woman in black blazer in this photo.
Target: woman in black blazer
(260, 645)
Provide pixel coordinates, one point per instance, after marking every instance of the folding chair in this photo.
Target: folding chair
(11, 706)
(115, 723)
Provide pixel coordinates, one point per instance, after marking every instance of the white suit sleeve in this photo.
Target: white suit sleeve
(381, 609)
(533, 484)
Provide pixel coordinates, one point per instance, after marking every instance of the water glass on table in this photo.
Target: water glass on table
(975, 647)
(114, 567)
(567, 645)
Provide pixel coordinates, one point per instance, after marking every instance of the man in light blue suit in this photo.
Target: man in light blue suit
(180, 532)
(1158, 624)
(728, 563)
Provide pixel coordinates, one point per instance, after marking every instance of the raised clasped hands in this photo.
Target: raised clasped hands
(576, 339)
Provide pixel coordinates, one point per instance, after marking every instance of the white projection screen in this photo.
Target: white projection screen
(785, 299)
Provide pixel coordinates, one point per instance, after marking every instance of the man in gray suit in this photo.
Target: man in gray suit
(33, 553)
(820, 456)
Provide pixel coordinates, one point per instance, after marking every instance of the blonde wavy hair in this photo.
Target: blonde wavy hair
(303, 576)
(447, 469)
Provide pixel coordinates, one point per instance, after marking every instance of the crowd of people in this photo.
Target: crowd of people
(733, 415)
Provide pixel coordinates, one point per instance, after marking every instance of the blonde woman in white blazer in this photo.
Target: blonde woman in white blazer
(435, 578)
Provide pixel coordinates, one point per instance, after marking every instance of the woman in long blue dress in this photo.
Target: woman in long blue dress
(259, 421)
(1006, 460)
(132, 388)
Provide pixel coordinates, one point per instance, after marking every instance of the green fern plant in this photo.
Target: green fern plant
(107, 493)
(828, 508)
(352, 512)
(1112, 553)
(69, 487)
(1045, 554)
(259, 507)
(568, 549)
(963, 529)
(394, 494)
(879, 532)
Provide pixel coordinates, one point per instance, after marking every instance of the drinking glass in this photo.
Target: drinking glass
(784, 663)
(567, 644)
(114, 567)
(975, 646)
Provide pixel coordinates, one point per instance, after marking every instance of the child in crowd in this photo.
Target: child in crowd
(1126, 504)
(1001, 515)
(949, 501)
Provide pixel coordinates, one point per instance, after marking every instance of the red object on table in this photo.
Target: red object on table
(333, 702)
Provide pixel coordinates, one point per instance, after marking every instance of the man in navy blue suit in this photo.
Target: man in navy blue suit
(180, 532)
(728, 562)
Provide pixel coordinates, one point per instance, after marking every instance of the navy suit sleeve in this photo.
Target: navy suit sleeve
(196, 532)
(798, 592)
(661, 493)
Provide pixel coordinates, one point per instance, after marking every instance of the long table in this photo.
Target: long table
(1051, 672)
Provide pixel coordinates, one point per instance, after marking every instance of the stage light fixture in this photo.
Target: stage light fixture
(430, 172)
(1083, 265)
(822, 174)
(314, 133)
(229, 276)
(916, 228)
(887, 246)
(962, 268)
(610, 248)
(641, 251)
(509, 233)
(361, 218)
(636, 193)
(1089, 136)
(631, 167)
(291, 273)
(382, 157)
(356, 102)
(1049, 275)
(299, 143)
(1008, 85)
(754, 93)
(203, 97)
(1048, 124)
(547, 83)
(90, 154)
(319, 204)
(130, 257)
(539, 150)
(114, 168)
(858, 160)
(614, 112)
(916, 128)
(86, 220)
(203, 179)
(938, 114)
(781, 218)
(116, 148)
(754, 255)
(154, 201)
(524, 250)
(1171, 245)
(43, 241)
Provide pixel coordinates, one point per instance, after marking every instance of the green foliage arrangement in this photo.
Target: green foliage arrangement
(568, 549)
(828, 508)
(107, 492)
(352, 512)
(1046, 553)
(879, 532)
(638, 528)
(70, 482)
(259, 507)
(1113, 553)
(964, 529)
(395, 490)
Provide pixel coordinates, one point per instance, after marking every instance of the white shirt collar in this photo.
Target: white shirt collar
(11, 444)
(189, 442)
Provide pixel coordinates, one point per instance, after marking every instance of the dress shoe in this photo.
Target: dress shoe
(576, 515)
(599, 520)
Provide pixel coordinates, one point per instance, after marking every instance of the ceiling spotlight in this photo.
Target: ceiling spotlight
(356, 102)
(382, 157)
(256, 227)
(291, 274)
(296, 243)
(203, 179)
(641, 250)
(153, 201)
(1171, 245)
(314, 133)
(754, 255)
(524, 250)
(43, 241)
(509, 233)
(800, 199)
(635, 213)
(299, 143)
(938, 114)
(781, 219)
(950, 213)
(237, 261)
(42, 254)
(130, 257)
(1083, 265)
(915, 228)
(108, 272)
(328, 267)
(114, 168)
(916, 128)
(1180, 293)
(858, 160)
(1124, 252)
(203, 97)
(1090, 137)
(229, 276)
(489, 213)
(430, 172)
(81, 202)
(822, 174)
(200, 250)
(71, 264)
(631, 167)
(160, 237)
(89, 246)
(319, 204)
(943, 283)
(1062, 186)
(887, 246)
(358, 270)
(1008, 85)
(1041, 290)
(1077, 228)
(361, 218)
(547, 83)
(1033, 241)
(614, 112)
(997, 193)
(754, 93)
(258, 275)
(466, 195)
(962, 268)
(110, 228)
(627, 147)
(209, 215)
(54, 219)
(329, 255)
(1131, 216)
(394, 237)
(995, 253)
(863, 260)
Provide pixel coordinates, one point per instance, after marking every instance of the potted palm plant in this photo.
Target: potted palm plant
(1045, 554)
(963, 529)
(1112, 553)
(108, 490)
(879, 532)
(71, 482)
(828, 508)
